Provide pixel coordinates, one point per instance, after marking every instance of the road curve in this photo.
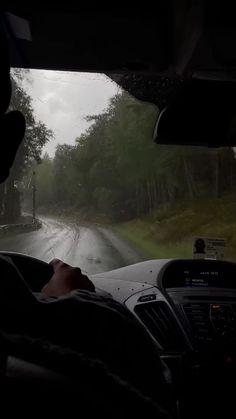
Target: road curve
(93, 249)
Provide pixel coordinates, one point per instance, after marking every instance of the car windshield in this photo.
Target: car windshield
(90, 186)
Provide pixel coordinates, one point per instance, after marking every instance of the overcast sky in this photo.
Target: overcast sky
(62, 100)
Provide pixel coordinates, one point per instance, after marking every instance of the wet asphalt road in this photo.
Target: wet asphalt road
(93, 249)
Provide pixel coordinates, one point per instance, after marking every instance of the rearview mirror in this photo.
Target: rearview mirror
(203, 113)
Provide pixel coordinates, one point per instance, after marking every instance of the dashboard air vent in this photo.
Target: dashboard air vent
(160, 322)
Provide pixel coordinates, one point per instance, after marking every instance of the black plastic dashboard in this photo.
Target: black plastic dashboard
(186, 305)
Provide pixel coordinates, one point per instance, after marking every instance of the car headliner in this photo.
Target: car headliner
(179, 39)
(149, 53)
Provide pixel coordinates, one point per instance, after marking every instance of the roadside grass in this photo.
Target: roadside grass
(169, 232)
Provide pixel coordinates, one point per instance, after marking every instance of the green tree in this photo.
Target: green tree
(116, 170)
(36, 136)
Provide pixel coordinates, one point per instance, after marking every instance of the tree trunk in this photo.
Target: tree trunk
(149, 197)
(2, 188)
(137, 197)
(11, 202)
(155, 193)
(217, 175)
(188, 179)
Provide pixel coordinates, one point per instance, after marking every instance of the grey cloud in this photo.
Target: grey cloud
(61, 100)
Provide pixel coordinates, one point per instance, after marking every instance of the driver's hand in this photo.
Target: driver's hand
(66, 279)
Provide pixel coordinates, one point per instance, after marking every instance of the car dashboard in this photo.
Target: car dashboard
(188, 307)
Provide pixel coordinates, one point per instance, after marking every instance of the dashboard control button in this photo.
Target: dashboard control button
(146, 298)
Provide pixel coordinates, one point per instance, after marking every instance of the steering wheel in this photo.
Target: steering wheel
(35, 272)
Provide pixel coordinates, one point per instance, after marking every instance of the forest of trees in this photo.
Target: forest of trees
(29, 152)
(115, 170)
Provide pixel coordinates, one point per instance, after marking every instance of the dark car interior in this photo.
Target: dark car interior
(178, 55)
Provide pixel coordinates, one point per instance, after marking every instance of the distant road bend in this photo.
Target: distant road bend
(92, 249)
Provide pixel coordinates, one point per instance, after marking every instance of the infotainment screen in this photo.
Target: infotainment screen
(201, 278)
(196, 273)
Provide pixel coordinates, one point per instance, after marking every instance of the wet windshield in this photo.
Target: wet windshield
(89, 186)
